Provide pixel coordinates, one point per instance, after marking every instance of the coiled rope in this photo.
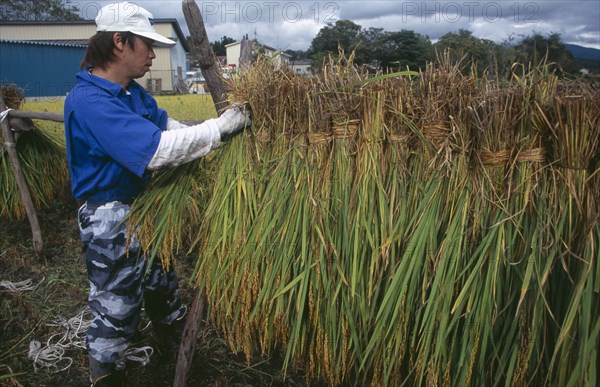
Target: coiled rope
(52, 355)
(139, 355)
(21, 286)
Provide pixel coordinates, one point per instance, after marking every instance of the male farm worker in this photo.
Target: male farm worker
(116, 135)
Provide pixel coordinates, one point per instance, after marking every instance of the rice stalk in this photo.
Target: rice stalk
(41, 155)
(432, 230)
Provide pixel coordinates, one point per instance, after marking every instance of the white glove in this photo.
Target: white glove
(234, 120)
(174, 124)
(182, 144)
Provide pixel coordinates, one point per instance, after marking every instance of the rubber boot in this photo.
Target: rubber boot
(105, 375)
(168, 336)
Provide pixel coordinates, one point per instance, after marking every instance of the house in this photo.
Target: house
(42, 57)
(301, 67)
(234, 51)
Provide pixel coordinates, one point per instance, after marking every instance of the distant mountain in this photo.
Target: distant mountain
(588, 58)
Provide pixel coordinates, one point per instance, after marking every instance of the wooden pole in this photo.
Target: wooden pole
(10, 146)
(245, 54)
(205, 56)
(189, 339)
(57, 117)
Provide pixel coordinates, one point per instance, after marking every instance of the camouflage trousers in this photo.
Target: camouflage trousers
(120, 282)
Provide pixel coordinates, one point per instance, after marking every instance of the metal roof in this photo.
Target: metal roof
(172, 21)
(82, 43)
(300, 62)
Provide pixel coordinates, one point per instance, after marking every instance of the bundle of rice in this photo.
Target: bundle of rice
(42, 157)
(437, 229)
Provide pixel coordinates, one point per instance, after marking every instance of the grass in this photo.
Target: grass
(180, 107)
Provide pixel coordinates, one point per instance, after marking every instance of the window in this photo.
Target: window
(154, 85)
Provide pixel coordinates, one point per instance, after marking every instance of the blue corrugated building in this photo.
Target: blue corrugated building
(42, 57)
(41, 68)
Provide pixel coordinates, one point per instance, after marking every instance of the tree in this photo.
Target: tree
(373, 46)
(38, 10)
(481, 53)
(366, 51)
(403, 49)
(218, 46)
(343, 35)
(538, 49)
(296, 54)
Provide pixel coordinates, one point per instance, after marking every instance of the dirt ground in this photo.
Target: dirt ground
(60, 277)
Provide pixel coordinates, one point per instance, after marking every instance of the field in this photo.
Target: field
(60, 290)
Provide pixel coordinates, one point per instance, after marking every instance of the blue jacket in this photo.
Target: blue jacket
(111, 136)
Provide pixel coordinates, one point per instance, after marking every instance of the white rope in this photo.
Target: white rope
(4, 114)
(20, 286)
(52, 355)
(73, 335)
(139, 355)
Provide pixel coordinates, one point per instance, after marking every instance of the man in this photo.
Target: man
(116, 135)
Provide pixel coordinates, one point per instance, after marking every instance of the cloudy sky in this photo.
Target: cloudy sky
(293, 24)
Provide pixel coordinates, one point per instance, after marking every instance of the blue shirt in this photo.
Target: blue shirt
(111, 136)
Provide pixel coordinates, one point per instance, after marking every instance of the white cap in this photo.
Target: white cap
(130, 17)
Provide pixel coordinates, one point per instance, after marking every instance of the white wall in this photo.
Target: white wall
(234, 50)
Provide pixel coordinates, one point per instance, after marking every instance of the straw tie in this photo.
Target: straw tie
(501, 157)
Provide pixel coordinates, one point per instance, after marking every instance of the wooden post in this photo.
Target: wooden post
(11, 149)
(56, 117)
(189, 339)
(202, 50)
(245, 54)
